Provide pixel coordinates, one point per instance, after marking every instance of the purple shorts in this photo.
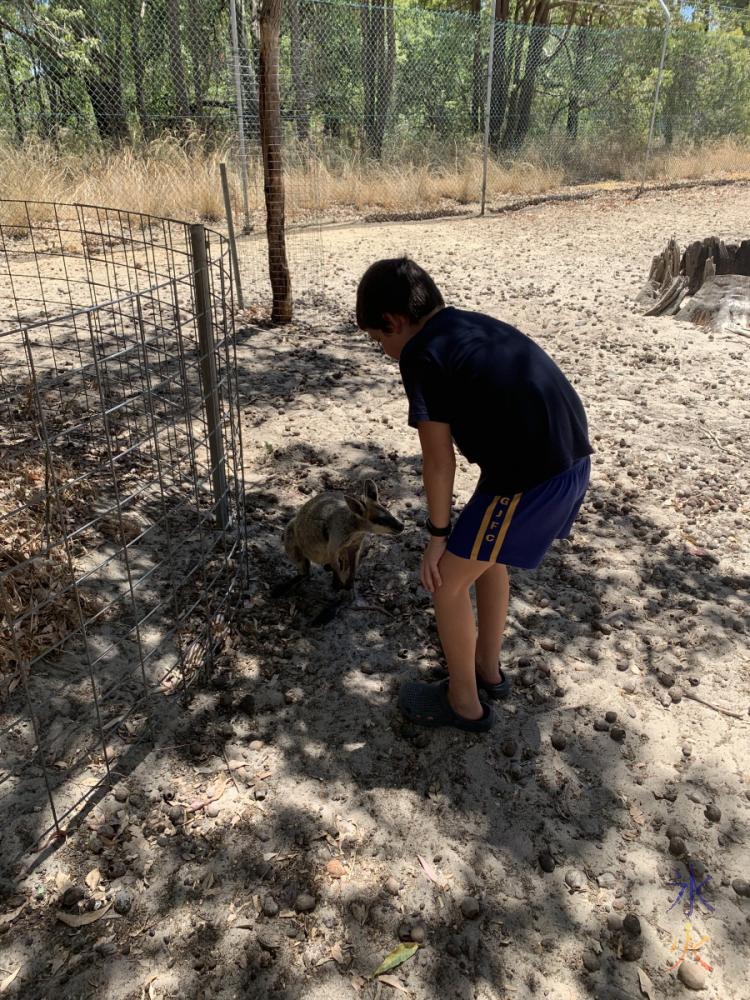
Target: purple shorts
(517, 530)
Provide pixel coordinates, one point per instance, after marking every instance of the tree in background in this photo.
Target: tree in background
(10, 71)
(378, 70)
(299, 59)
(379, 78)
(269, 19)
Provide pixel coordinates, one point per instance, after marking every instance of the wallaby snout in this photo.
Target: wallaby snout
(385, 524)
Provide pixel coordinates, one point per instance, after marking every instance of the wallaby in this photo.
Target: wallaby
(330, 530)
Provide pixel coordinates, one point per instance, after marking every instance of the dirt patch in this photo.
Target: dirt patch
(283, 833)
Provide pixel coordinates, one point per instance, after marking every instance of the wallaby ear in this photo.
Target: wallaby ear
(355, 505)
(369, 489)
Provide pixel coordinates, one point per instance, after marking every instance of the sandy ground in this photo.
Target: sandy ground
(286, 831)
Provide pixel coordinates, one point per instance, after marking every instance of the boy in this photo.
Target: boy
(482, 384)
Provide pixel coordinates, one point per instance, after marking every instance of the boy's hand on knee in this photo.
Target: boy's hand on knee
(429, 573)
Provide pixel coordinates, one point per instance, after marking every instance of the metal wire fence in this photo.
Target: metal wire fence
(121, 489)
(388, 110)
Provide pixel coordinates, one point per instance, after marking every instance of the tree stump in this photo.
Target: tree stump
(712, 273)
(723, 303)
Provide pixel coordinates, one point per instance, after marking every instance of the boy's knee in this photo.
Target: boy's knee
(451, 589)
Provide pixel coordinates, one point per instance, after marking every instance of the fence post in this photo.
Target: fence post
(667, 29)
(488, 107)
(247, 228)
(230, 227)
(204, 320)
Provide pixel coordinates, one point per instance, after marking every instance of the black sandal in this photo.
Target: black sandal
(495, 692)
(428, 705)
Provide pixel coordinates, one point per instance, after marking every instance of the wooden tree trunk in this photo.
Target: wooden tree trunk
(385, 47)
(500, 79)
(195, 31)
(176, 65)
(45, 122)
(103, 79)
(105, 94)
(577, 83)
(136, 56)
(369, 75)
(477, 77)
(248, 38)
(520, 115)
(273, 169)
(12, 93)
(301, 108)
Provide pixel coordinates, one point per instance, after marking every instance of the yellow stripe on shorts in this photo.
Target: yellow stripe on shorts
(483, 528)
(506, 524)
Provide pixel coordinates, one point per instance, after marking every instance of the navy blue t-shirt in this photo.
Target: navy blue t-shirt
(511, 410)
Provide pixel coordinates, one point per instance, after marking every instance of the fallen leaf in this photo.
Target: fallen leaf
(337, 954)
(148, 989)
(62, 882)
(430, 872)
(395, 958)
(93, 878)
(8, 918)
(53, 838)
(81, 919)
(358, 983)
(393, 983)
(8, 980)
(646, 985)
(637, 814)
(57, 964)
(335, 869)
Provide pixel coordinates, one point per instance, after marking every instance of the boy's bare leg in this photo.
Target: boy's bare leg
(457, 630)
(493, 594)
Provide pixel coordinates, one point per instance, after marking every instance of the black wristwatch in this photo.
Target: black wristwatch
(438, 532)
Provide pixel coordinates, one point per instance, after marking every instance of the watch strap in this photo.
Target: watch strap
(438, 532)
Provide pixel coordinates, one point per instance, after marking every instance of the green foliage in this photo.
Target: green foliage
(110, 69)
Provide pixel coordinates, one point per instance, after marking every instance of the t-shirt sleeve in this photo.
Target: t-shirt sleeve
(427, 390)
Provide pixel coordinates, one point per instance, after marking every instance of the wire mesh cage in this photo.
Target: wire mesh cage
(121, 485)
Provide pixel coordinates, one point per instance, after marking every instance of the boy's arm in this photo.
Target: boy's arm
(438, 469)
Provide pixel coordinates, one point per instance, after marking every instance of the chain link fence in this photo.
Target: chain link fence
(388, 111)
(121, 492)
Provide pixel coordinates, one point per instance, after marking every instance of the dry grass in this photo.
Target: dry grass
(726, 159)
(163, 179)
(409, 186)
(181, 180)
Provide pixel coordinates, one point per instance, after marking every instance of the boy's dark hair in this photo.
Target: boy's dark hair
(397, 286)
